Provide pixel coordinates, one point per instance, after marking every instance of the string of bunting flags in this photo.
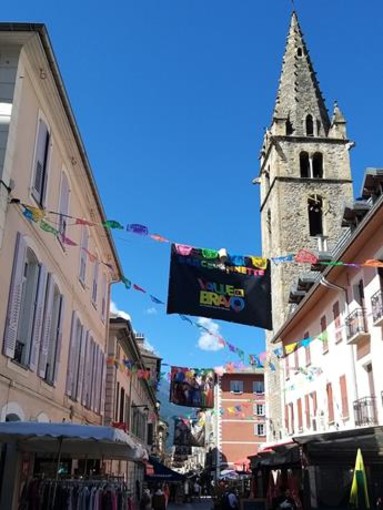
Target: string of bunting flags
(303, 256)
(241, 263)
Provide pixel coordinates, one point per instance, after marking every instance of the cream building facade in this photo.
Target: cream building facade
(56, 272)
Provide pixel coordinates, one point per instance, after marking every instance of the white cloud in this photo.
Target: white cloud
(151, 311)
(207, 342)
(115, 312)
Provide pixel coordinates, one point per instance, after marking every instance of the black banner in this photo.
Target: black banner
(201, 285)
(192, 387)
(190, 433)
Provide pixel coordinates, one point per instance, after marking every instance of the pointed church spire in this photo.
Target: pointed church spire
(300, 108)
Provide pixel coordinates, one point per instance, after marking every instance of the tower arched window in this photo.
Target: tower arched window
(315, 215)
(309, 125)
(318, 165)
(304, 164)
(267, 179)
(299, 52)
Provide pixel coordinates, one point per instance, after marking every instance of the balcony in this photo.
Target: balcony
(356, 326)
(377, 308)
(365, 411)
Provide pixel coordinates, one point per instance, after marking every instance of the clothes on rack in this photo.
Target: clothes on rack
(75, 495)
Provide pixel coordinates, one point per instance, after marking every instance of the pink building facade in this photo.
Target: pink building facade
(242, 420)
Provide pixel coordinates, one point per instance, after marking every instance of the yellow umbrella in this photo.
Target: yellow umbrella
(359, 492)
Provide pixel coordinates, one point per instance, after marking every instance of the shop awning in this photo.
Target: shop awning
(158, 472)
(74, 440)
(277, 455)
(340, 446)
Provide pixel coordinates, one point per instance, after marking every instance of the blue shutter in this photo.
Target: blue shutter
(14, 300)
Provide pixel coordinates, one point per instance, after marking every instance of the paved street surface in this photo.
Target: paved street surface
(204, 504)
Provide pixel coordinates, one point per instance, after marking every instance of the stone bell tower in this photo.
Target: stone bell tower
(305, 180)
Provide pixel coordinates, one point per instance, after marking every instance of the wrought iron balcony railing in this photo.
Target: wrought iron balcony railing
(356, 325)
(365, 411)
(377, 308)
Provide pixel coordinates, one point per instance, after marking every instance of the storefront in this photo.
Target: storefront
(60, 458)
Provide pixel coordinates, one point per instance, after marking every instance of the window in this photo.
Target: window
(337, 322)
(307, 349)
(103, 298)
(307, 411)
(259, 387)
(318, 165)
(287, 366)
(324, 335)
(259, 409)
(296, 359)
(304, 164)
(300, 416)
(24, 319)
(291, 422)
(40, 164)
(330, 403)
(236, 386)
(309, 125)
(343, 394)
(83, 254)
(259, 429)
(122, 405)
(50, 347)
(299, 52)
(76, 360)
(315, 214)
(64, 205)
(95, 282)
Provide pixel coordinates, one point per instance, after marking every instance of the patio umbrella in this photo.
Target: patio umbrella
(359, 492)
(75, 440)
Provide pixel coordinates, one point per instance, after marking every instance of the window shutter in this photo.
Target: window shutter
(80, 382)
(59, 339)
(103, 381)
(38, 318)
(300, 417)
(83, 254)
(64, 203)
(46, 329)
(307, 411)
(14, 300)
(94, 377)
(343, 393)
(72, 350)
(99, 380)
(87, 371)
(41, 158)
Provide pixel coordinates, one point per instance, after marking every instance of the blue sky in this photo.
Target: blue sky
(172, 97)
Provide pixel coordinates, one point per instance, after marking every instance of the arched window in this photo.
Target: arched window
(315, 215)
(318, 165)
(309, 125)
(304, 164)
(299, 52)
(267, 179)
(318, 127)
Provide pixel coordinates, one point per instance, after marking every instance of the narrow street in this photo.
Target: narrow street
(205, 503)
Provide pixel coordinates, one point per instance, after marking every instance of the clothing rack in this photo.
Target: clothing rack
(103, 493)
